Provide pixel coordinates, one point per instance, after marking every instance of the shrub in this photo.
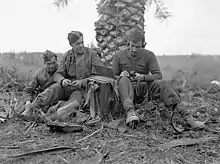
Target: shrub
(11, 81)
(11, 87)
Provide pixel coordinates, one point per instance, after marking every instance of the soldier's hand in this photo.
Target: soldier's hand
(66, 82)
(78, 83)
(125, 73)
(139, 76)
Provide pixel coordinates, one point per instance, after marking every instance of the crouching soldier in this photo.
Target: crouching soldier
(75, 66)
(41, 80)
(139, 74)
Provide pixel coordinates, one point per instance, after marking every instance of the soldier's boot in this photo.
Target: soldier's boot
(30, 107)
(27, 111)
(131, 117)
(65, 111)
(190, 120)
(27, 114)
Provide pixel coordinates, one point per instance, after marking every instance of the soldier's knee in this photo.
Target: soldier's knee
(124, 79)
(55, 87)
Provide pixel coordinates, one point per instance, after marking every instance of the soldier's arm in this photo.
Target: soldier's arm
(29, 91)
(61, 73)
(115, 65)
(96, 59)
(154, 69)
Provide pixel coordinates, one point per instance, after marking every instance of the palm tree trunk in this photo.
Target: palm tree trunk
(118, 19)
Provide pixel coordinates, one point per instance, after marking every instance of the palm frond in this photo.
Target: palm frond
(161, 12)
(60, 3)
(148, 3)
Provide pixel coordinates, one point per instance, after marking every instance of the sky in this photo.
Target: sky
(37, 25)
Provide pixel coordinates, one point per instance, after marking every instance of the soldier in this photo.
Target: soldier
(76, 65)
(42, 78)
(139, 74)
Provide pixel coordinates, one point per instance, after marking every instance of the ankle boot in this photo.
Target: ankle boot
(131, 116)
(195, 124)
(65, 111)
(29, 108)
(28, 111)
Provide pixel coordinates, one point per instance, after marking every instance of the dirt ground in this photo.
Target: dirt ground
(154, 141)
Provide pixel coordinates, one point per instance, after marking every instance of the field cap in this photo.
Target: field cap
(48, 55)
(73, 36)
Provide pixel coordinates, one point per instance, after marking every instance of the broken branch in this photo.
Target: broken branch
(43, 151)
(10, 147)
(187, 142)
(90, 134)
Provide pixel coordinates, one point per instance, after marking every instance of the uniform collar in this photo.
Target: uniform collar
(46, 73)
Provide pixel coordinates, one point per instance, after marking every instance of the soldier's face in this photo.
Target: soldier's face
(51, 65)
(134, 47)
(78, 46)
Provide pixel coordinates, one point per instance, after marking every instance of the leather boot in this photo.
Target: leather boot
(65, 111)
(28, 109)
(131, 117)
(195, 124)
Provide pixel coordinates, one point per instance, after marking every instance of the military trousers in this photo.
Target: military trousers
(55, 93)
(133, 92)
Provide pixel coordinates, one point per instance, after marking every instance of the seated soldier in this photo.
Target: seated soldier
(42, 79)
(75, 66)
(147, 79)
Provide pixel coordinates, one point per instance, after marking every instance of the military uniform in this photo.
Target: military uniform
(71, 67)
(42, 79)
(144, 62)
(39, 82)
